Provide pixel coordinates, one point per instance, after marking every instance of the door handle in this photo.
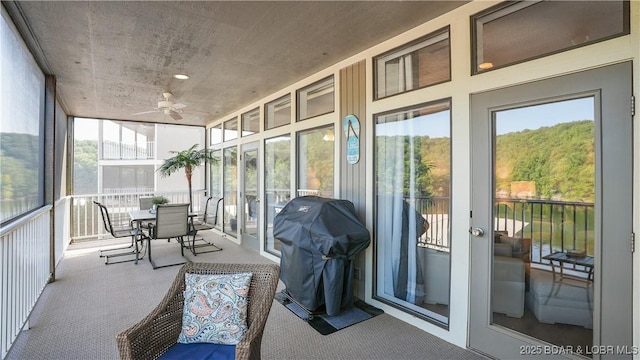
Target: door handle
(477, 232)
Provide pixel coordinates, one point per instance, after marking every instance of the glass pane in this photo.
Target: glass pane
(230, 201)
(215, 171)
(315, 162)
(277, 113)
(231, 129)
(277, 182)
(251, 218)
(22, 126)
(544, 176)
(525, 30)
(215, 135)
(413, 177)
(414, 66)
(85, 156)
(316, 99)
(121, 140)
(251, 122)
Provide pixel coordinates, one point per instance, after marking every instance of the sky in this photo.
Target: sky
(85, 129)
(513, 120)
(535, 117)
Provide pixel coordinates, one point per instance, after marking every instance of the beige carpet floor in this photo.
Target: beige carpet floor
(79, 315)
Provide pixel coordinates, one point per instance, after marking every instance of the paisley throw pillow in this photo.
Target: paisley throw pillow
(215, 308)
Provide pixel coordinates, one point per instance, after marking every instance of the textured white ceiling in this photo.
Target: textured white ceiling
(113, 59)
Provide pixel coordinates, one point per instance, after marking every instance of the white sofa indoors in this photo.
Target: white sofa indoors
(510, 268)
(435, 272)
(566, 302)
(508, 286)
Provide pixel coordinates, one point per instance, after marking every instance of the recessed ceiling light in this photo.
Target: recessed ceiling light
(181, 76)
(486, 65)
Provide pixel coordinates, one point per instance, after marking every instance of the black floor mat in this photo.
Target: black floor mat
(325, 324)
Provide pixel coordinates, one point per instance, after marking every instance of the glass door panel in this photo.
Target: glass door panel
(250, 197)
(552, 216)
(230, 173)
(413, 177)
(544, 195)
(277, 183)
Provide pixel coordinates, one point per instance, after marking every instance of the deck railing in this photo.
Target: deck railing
(551, 225)
(435, 209)
(112, 150)
(24, 271)
(87, 222)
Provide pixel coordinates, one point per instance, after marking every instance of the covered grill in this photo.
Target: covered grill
(320, 237)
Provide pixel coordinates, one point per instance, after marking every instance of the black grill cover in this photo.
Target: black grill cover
(320, 238)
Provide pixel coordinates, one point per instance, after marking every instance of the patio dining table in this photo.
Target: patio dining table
(141, 216)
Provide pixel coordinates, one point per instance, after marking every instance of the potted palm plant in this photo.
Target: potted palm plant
(158, 200)
(188, 160)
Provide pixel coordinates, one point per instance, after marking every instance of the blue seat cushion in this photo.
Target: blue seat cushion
(200, 351)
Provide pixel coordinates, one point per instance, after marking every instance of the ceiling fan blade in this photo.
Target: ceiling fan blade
(179, 106)
(174, 115)
(145, 112)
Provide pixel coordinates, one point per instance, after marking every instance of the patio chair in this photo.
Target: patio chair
(172, 221)
(207, 221)
(252, 207)
(116, 233)
(159, 331)
(146, 203)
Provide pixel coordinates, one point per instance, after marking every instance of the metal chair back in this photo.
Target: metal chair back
(106, 220)
(172, 221)
(131, 249)
(146, 202)
(211, 212)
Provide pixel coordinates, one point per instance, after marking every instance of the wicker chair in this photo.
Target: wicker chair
(159, 330)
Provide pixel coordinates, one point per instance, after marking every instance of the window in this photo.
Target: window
(412, 187)
(118, 156)
(511, 32)
(215, 171)
(278, 112)
(231, 129)
(421, 63)
(251, 122)
(22, 127)
(316, 99)
(215, 135)
(121, 140)
(277, 183)
(230, 201)
(315, 162)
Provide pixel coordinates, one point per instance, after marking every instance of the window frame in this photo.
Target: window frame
(224, 129)
(246, 119)
(317, 86)
(273, 104)
(495, 12)
(43, 124)
(399, 51)
(377, 272)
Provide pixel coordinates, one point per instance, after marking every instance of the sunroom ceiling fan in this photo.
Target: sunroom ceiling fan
(168, 107)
